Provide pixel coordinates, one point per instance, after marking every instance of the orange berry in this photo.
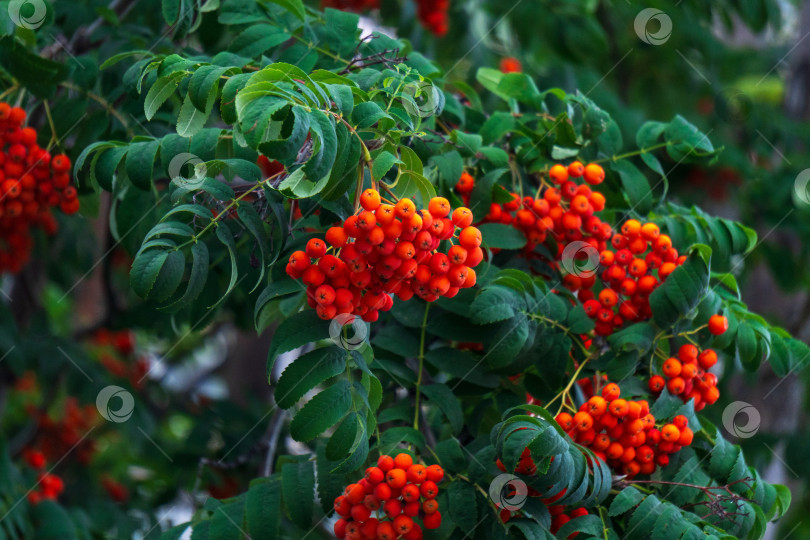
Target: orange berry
(439, 207)
(470, 237)
(672, 368)
(611, 392)
(435, 473)
(688, 353)
(618, 408)
(583, 421)
(417, 473)
(670, 433)
(558, 174)
(676, 385)
(594, 174)
(396, 478)
(565, 420)
(576, 169)
(707, 358)
(718, 324)
(650, 231)
(405, 208)
(370, 199)
(462, 217)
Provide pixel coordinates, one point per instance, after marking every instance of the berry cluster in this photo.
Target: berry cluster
(51, 486)
(388, 249)
(687, 376)
(116, 353)
(57, 437)
(623, 433)
(433, 14)
(398, 490)
(31, 182)
(564, 213)
(642, 260)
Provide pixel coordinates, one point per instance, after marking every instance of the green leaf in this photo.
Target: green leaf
(462, 507)
(306, 372)
(145, 269)
(227, 522)
(342, 440)
(256, 40)
(299, 329)
(498, 235)
(140, 162)
(159, 92)
(686, 141)
(298, 488)
(681, 291)
(367, 114)
(196, 279)
(204, 81)
(190, 120)
(496, 126)
(296, 7)
(322, 412)
(493, 304)
(382, 164)
(263, 507)
(636, 189)
(441, 395)
(225, 236)
(626, 500)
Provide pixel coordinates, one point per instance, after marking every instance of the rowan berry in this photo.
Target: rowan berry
(718, 324)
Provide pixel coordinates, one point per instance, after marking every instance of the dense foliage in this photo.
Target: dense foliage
(479, 278)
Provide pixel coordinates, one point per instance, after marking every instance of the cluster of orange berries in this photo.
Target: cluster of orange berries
(51, 486)
(623, 432)
(388, 249)
(57, 437)
(117, 353)
(565, 212)
(31, 183)
(642, 260)
(397, 490)
(687, 376)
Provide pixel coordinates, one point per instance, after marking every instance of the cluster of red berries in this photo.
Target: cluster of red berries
(351, 5)
(642, 260)
(388, 249)
(116, 353)
(623, 432)
(566, 213)
(397, 490)
(510, 64)
(687, 376)
(31, 182)
(50, 485)
(57, 437)
(433, 14)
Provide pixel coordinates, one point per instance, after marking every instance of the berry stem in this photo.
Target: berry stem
(638, 152)
(9, 91)
(571, 383)
(421, 366)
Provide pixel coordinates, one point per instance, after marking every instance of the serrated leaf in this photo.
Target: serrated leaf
(306, 372)
(298, 487)
(263, 507)
(441, 395)
(321, 412)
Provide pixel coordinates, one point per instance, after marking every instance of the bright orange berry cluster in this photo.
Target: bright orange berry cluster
(687, 376)
(66, 434)
(642, 260)
(623, 432)
(31, 183)
(50, 485)
(564, 213)
(388, 249)
(383, 504)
